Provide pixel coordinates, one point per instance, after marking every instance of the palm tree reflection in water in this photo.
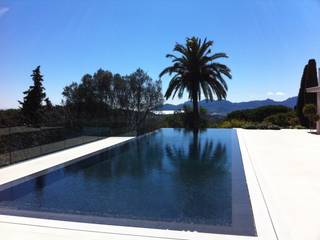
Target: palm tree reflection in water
(201, 159)
(203, 169)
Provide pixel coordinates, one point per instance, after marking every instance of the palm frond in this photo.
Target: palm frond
(218, 55)
(196, 71)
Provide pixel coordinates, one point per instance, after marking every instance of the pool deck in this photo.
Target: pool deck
(283, 176)
(287, 165)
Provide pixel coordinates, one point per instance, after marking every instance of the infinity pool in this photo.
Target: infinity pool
(171, 179)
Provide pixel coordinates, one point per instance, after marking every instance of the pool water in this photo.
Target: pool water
(171, 179)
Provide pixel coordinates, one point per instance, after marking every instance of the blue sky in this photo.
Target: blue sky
(268, 41)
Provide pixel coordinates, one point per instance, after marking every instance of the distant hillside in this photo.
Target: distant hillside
(224, 107)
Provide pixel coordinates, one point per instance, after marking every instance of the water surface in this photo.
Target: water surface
(173, 178)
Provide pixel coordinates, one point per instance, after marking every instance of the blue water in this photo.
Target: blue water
(177, 178)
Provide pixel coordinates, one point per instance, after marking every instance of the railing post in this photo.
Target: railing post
(10, 148)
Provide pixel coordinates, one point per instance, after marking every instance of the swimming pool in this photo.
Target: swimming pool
(171, 179)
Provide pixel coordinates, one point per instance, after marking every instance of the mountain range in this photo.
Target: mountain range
(224, 107)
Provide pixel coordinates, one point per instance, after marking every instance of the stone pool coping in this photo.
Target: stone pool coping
(12, 227)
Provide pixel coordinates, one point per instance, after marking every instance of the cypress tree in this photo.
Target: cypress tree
(309, 79)
(31, 106)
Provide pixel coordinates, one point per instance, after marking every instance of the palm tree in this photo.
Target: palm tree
(196, 71)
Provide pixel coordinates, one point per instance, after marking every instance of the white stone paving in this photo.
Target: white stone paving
(287, 165)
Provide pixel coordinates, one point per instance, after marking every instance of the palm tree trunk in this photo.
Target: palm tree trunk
(196, 115)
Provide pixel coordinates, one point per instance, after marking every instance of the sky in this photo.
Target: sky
(268, 41)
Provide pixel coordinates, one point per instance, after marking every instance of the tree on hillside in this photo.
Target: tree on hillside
(196, 71)
(31, 106)
(103, 85)
(145, 95)
(49, 105)
(124, 101)
(309, 79)
(258, 114)
(120, 92)
(72, 103)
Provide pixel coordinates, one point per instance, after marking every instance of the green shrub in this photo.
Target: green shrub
(299, 127)
(283, 119)
(266, 126)
(250, 126)
(233, 123)
(262, 125)
(174, 121)
(310, 112)
(10, 118)
(257, 114)
(273, 127)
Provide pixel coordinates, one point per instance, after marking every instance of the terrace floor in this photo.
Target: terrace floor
(283, 177)
(287, 166)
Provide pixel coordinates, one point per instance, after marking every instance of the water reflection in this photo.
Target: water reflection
(202, 170)
(171, 176)
(134, 159)
(200, 158)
